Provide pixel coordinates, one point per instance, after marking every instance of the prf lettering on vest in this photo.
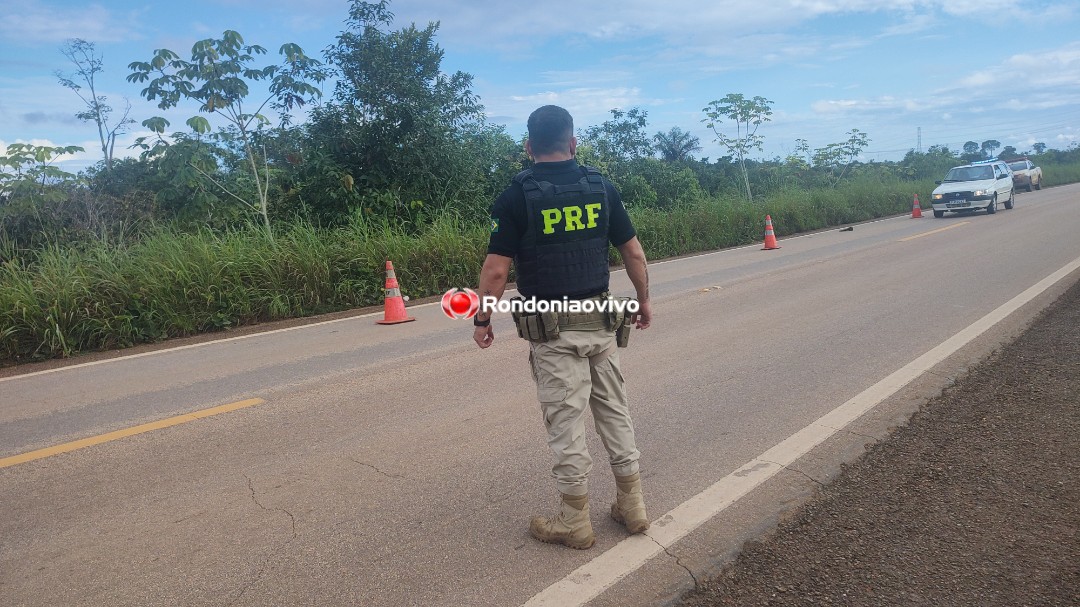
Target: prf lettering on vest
(571, 218)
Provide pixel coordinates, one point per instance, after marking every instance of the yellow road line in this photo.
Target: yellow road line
(955, 225)
(30, 456)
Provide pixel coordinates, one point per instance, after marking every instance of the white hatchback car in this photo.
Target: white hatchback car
(972, 187)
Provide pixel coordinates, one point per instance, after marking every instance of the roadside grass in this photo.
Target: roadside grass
(1059, 173)
(715, 224)
(59, 301)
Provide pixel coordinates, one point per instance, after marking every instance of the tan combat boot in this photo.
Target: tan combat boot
(570, 526)
(629, 506)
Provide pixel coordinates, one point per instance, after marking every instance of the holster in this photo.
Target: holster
(620, 322)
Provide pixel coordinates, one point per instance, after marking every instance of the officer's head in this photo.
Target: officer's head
(551, 132)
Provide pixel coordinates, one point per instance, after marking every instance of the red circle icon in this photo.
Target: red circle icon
(460, 303)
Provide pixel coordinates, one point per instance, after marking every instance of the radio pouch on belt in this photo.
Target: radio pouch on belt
(539, 327)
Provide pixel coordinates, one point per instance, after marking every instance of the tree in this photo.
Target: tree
(989, 146)
(801, 157)
(219, 77)
(972, 152)
(931, 165)
(672, 185)
(28, 166)
(676, 145)
(747, 114)
(88, 65)
(179, 170)
(1008, 153)
(622, 138)
(1039, 147)
(34, 197)
(842, 155)
(399, 125)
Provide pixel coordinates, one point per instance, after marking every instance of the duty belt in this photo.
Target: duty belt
(583, 321)
(587, 321)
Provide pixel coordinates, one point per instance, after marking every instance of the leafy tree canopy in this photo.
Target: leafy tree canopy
(219, 76)
(748, 115)
(676, 145)
(399, 127)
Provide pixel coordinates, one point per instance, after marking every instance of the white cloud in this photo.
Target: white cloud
(718, 24)
(1057, 68)
(912, 24)
(1049, 79)
(34, 22)
(885, 103)
(585, 104)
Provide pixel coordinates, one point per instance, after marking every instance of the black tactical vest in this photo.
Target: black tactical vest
(564, 252)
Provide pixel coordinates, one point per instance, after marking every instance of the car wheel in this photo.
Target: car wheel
(1009, 202)
(992, 207)
(1038, 184)
(1029, 187)
(939, 214)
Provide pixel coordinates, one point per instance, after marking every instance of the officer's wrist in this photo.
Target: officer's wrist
(481, 322)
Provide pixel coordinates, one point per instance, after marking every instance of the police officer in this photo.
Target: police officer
(555, 222)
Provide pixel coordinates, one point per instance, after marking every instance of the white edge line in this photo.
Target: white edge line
(588, 581)
(199, 345)
(179, 348)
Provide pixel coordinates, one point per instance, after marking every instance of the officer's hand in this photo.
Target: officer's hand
(483, 336)
(643, 317)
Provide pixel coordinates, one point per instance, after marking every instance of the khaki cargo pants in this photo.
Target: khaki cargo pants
(580, 369)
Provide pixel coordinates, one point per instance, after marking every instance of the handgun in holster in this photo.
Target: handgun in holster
(620, 321)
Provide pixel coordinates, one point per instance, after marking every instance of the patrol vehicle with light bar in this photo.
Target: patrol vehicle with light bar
(973, 187)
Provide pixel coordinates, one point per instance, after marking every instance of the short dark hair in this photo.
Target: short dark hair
(550, 130)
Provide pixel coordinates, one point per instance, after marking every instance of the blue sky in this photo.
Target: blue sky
(959, 69)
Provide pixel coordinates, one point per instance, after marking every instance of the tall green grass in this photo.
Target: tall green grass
(58, 302)
(1059, 173)
(714, 224)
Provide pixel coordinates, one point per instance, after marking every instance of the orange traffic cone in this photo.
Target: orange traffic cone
(770, 236)
(916, 212)
(394, 306)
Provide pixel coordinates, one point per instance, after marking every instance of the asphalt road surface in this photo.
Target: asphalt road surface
(398, 465)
